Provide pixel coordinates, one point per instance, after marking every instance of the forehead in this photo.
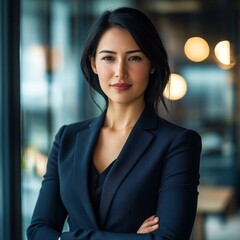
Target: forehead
(117, 37)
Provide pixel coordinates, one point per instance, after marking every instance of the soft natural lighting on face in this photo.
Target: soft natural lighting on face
(176, 87)
(196, 49)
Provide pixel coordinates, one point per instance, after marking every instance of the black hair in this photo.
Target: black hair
(147, 39)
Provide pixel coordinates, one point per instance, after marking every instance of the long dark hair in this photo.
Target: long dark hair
(148, 40)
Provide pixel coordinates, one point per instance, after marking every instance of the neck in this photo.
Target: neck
(119, 116)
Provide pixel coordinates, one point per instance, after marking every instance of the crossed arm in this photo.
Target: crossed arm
(149, 225)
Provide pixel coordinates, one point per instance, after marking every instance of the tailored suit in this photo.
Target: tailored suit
(156, 172)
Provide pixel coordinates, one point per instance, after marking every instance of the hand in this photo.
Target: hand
(149, 225)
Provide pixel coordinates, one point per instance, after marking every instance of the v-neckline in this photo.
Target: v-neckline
(106, 170)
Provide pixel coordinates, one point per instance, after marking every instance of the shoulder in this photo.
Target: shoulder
(163, 129)
(79, 126)
(175, 133)
(173, 128)
(71, 130)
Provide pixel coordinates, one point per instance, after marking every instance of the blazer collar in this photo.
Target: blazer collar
(126, 160)
(128, 157)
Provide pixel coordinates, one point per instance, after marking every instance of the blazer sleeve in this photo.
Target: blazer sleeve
(49, 213)
(178, 194)
(177, 198)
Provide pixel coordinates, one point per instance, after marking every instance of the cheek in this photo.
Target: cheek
(104, 73)
(104, 76)
(142, 75)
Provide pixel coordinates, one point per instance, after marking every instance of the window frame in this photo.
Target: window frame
(10, 153)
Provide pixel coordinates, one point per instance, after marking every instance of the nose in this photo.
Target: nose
(121, 69)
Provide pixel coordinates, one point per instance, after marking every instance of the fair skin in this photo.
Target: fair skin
(123, 71)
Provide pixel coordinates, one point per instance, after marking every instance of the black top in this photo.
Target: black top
(96, 182)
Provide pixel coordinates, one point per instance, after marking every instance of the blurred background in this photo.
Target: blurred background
(202, 40)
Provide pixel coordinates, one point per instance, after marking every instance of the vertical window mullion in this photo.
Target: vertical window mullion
(10, 160)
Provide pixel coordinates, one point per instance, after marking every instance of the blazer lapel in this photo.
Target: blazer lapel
(84, 146)
(139, 139)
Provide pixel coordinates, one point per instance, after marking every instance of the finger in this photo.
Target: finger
(148, 229)
(148, 224)
(149, 219)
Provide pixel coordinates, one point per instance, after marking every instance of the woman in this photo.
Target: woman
(127, 174)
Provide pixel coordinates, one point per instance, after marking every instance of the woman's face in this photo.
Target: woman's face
(122, 68)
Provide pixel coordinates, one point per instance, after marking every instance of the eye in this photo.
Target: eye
(135, 58)
(107, 58)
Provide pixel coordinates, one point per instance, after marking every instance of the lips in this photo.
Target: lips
(121, 86)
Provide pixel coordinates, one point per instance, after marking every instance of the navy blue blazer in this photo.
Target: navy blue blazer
(157, 172)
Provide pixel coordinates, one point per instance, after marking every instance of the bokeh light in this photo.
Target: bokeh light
(196, 49)
(176, 87)
(224, 54)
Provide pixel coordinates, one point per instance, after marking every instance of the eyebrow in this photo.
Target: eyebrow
(128, 52)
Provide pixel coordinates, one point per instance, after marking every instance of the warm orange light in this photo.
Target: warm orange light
(196, 49)
(37, 57)
(224, 54)
(176, 87)
(44, 58)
